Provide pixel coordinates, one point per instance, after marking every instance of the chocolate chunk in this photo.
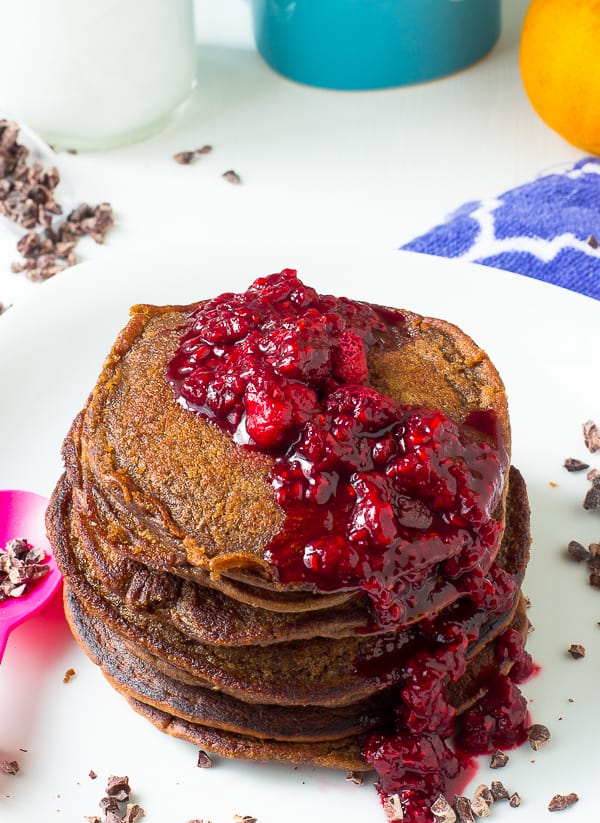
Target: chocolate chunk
(118, 787)
(572, 464)
(592, 475)
(9, 766)
(204, 761)
(442, 811)
(537, 735)
(515, 800)
(464, 813)
(577, 651)
(591, 436)
(232, 177)
(562, 801)
(498, 790)
(577, 551)
(499, 759)
(592, 241)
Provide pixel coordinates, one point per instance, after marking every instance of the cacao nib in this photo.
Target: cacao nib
(538, 735)
(591, 436)
(499, 759)
(562, 801)
(577, 651)
(572, 464)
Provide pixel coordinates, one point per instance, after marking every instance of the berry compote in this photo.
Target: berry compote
(395, 501)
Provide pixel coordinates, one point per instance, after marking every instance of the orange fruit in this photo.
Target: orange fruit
(560, 67)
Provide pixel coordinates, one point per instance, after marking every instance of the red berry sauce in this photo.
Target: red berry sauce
(391, 500)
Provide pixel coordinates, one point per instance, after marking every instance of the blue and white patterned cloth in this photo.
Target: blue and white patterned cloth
(548, 229)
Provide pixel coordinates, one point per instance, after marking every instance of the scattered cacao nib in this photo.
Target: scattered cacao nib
(392, 809)
(591, 436)
(480, 807)
(562, 801)
(498, 790)
(356, 778)
(592, 241)
(109, 804)
(232, 177)
(591, 501)
(133, 813)
(538, 735)
(594, 549)
(26, 189)
(69, 675)
(9, 766)
(204, 761)
(514, 800)
(118, 787)
(27, 198)
(484, 792)
(594, 580)
(577, 651)
(244, 818)
(499, 759)
(184, 158)
(464, 812)
(92, 774)
(572, 464)
(442, 811)
(113, 817)
(20, 566)
(594, 563)
(577, 551)
(592, 475)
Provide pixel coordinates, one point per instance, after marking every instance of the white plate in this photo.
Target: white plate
(546, 343)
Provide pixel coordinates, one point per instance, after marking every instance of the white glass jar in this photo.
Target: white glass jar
(92, 74)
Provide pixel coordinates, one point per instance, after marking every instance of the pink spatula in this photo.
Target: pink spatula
(22, 515)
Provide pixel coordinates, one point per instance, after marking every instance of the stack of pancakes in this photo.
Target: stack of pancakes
(159, 525)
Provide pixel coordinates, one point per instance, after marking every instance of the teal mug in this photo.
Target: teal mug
(373, 44)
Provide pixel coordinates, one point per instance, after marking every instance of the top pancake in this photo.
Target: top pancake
(201, 505)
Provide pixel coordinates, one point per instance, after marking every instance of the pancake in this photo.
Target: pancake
(288, 525)
(319, 669)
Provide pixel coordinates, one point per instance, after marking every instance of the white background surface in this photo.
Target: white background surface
(374, 168)
(332, 182)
